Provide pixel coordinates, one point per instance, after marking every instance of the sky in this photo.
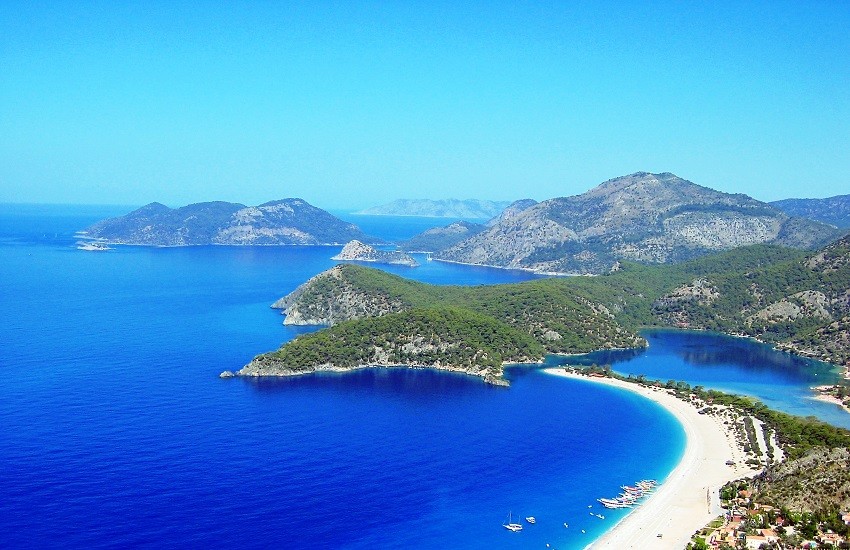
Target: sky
(353, 104)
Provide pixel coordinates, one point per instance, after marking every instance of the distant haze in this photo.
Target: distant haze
(350, 105)
(449, 208)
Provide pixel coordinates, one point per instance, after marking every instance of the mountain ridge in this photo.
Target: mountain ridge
(644, 217)
(832, 210)
(279, 222)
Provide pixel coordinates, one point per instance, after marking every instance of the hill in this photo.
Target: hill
(643, 217)
(819, 481)
(440, 238)
(833, 210)
(512, 211)
(287, 221)
(443, 338)
(798, 301)
(446, 208)
(437, 239)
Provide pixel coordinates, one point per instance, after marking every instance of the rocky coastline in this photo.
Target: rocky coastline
(358, 251)
(265, 365)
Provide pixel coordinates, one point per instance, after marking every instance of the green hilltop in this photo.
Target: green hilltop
(798, 301)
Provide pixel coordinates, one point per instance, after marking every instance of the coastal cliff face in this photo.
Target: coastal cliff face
(358, 251)
(282, 222)
(649, 218)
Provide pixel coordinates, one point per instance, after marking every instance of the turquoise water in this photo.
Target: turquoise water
(780, 380)
(117, 430)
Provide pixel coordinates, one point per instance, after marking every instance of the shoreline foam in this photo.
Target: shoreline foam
(688, 498)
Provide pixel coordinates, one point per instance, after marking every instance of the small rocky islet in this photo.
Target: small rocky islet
(361, 252)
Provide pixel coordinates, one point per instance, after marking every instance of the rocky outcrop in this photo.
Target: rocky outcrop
(360, 252)
(649, 218)
(269, 365)
(440, 238)
(283, 222)
(331, 297)
(830, 343)
(808, 303)
(447, 208)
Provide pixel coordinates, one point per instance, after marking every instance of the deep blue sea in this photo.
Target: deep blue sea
(116, 431)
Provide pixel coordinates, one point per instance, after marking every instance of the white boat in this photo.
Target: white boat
(511, 526)
(531, 519)
(96, 246)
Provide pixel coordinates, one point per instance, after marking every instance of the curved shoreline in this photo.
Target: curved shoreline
(688, 498)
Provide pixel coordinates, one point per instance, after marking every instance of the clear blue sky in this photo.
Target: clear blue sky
(351, 104)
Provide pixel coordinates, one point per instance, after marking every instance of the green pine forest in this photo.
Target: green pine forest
(796, 300)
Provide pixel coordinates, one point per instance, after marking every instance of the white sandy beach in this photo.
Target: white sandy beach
(688, 499)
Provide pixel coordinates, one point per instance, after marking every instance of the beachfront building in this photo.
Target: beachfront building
(832, 538)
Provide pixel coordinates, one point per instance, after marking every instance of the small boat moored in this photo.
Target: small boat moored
(511, 526)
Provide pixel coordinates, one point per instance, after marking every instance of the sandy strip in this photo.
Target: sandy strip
(830, 399)
(688, 499)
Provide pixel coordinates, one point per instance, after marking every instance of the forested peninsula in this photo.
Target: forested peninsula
(795, 300)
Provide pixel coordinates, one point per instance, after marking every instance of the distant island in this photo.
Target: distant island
(643, 217)
(446, 208)
(357, 251)
(281, 222)
(833, 210)
(794, 300)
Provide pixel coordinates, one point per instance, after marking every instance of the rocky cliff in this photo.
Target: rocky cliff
(649, 218)
(282, 222)
(360, 252)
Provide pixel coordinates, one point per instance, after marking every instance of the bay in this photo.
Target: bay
(117, 430)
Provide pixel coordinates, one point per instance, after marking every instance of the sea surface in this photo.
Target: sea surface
(116, 431)
(742, 366)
